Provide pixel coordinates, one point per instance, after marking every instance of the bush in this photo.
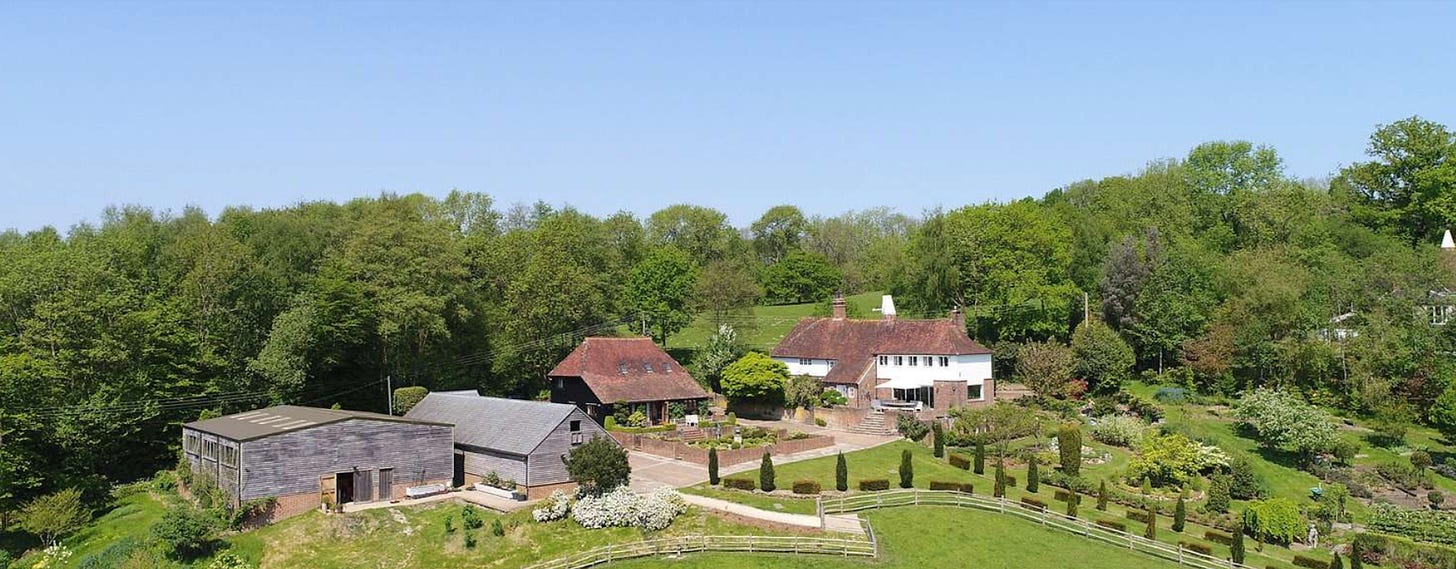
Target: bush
(965, 487)
(1196, 547)
(766, 474)
(913, 429)
(1119, 430)
(599, 465)
(1069, 447)
(1420, 459)
(1112, 525)
(1034, 503)
(1033, 481)
(183, 532)
(1310, 562)
(739, 484)
(1138, 516)
(806, 487)
(713, 467)
(471, 517)
(938, 433)
(1244, 483)
(1217, 500)
(450, 525)
(841, 474)
(959, 461)
(1102, 496)
(1180, 514)
(54, 515)
(821, 422)
(469, 540)
(1283, 421)
(1061, 495)
(874, 485)
(405, 398)
(1277, 520)
(496, 529)
(554, 508)
(1173, 459)
(624, 508)
(229, 560)
(1219, 538)
(1345, 451)
(907, 470)
(980, 458)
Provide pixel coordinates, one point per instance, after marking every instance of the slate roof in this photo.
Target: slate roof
(854, 343)
(628, 369)
(260, 423)
(507, 425)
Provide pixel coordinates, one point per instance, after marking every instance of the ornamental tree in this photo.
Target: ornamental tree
(1282, 421)
(1045, 367)
(1069, 447)
(54, 515)
(1103, 358)
(755, 377)
(599, 465)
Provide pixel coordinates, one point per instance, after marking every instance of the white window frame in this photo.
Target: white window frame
(884, 360)
(806, 361)
(944, 361)
(914, 361)
(899, 360)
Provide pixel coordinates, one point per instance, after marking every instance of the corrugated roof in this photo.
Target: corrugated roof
(628, 369)
(260, 423)
(507, 425)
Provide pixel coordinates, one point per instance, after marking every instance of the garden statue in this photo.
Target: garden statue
(1313, 538)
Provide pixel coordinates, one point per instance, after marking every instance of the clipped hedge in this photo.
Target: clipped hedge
(1109, 524)
(959, 461)
(1062, 496)
(1010, 480)
(642, 430)
(1137, 516)
(1196, 547)
(952, 486)
(1219, 538)
(874, 485)
(740, 484)
(1310, 562)
(806, 487)
(1033, 504)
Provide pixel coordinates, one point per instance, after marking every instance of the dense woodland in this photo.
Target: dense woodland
(1216, 270)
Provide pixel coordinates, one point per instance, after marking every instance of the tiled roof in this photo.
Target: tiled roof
(508, 425)
(260, 423)
(851, 340)
(628, 369)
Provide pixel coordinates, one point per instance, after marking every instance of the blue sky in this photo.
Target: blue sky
(739, 106)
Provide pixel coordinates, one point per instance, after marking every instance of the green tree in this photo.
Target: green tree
(1180, 513)
(1045, 368)
(722, 349)
(979, 464)
(938, 442)
(599, 465)
(1407, 185)
(726, 289)
(1218, 494)
(1336, 562)
(803, 391)
(1151, 531)
(183, 532)
(841, 474)
(1102, 496)
(1103, 359)
(1236, 549)
(800, 277)
(1033, 477)
(755, 376)
(1069, 447)
(405, 398)
(999, 488)
(1282, 421)
(1073, 501)
(766, 474)
(703, 233)
(660, 289)
(54, 515)
(713, 466)
(1357, 555)
(778, 232)
(907, 470)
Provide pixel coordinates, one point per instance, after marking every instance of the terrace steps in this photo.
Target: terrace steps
(873, 424)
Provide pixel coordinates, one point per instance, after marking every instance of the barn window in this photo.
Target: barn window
(229, 456)
(192, 444)
(209, 449)
(575, 426)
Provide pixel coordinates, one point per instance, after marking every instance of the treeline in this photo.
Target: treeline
(1217, 268)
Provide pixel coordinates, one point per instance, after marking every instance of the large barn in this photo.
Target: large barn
(521, 441)
(602, 373)
(305, 456)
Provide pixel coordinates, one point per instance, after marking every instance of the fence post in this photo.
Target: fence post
(819, 506)
(1002, 502)
(1043, 516)
(916, 493)
(1086, 528)
(1180, 553)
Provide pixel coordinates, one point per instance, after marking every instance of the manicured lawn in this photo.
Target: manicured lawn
(881, 462)
(772, 503)
(926, 537)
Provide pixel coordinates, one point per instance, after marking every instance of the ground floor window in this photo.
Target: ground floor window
(924, 395)
(973, 392)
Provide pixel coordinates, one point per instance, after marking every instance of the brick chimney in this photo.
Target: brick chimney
(958, 318)
(838, 304)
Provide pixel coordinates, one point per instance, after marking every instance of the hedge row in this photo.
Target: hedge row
(1062, 496)
(1137, 516)
(953, 486)
(1197, 547)
(739, 484)
(806, 487)
(1109, 524)
(1310, 562)
(874, 485)
(1034, 503)
(959, 461)
(1220, 538)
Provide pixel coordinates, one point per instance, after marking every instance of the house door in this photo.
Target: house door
(344, 482)
(327, 493)
(386, 484)
(458, 479)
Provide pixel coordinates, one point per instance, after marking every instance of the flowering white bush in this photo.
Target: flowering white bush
(554, 509)
(1119, 430)
(624, 508)
(53, 556)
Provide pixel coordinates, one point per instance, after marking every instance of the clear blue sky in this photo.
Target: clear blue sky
(739, 106)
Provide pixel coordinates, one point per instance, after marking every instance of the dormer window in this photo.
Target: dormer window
(622, 369)
(666, 367)
(647, 367)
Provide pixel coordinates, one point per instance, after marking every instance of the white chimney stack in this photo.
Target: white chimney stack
(887, 307)
(1446, 242)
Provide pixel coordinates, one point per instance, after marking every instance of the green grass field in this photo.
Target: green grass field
(926, 537)
(764, 326)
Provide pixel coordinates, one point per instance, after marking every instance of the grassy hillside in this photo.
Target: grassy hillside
(764, 326)
(923, 537)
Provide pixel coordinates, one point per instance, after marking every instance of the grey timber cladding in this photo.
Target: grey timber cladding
(292, 462)
(545, 465)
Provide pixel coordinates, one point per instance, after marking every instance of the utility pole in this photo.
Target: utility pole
(389, 386)
(1086, 312)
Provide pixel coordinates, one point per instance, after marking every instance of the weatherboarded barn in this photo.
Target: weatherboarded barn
(304, 456)
(521, 441)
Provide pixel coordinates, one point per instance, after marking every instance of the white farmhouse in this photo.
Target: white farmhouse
(889, 361)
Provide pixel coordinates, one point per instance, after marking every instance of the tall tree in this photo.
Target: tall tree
(1407, 187)
(660, 290)
(777, 233)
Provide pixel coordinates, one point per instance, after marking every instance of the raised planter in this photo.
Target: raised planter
(426, 490)
(507, 494)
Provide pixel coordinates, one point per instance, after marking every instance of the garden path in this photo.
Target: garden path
(848, 523)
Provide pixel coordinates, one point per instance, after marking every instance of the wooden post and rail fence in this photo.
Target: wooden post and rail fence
(791, 545)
